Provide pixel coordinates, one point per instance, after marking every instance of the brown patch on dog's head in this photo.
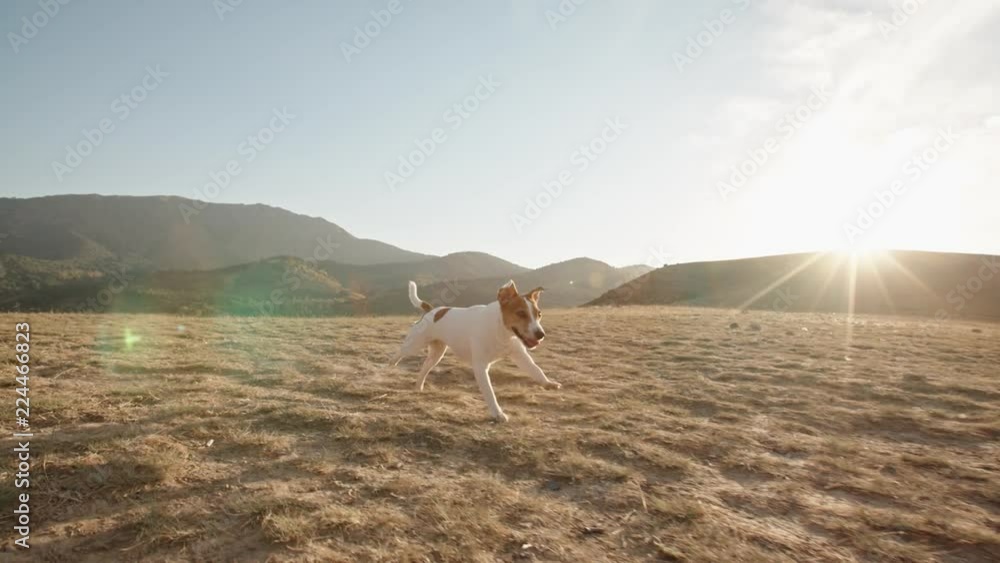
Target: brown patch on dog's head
(441, 313)
(508, 291)
(521, 314)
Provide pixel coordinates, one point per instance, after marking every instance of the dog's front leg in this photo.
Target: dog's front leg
(482, 371)
(524, 361)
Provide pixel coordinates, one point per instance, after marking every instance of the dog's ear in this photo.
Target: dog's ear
(535, 293)
(507, 292)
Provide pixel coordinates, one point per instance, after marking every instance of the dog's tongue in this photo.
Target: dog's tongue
(531, 342)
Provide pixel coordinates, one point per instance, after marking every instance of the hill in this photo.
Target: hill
(66, 252)
(567, 284)
(290, 286)
(899, 282)
(171, 233)
(276, 286)
(457, 266)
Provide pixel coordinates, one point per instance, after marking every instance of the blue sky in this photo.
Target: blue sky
(834, 110)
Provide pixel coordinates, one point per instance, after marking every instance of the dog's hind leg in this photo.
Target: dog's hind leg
(435, 352)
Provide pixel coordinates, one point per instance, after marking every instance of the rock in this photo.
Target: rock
(734, 326)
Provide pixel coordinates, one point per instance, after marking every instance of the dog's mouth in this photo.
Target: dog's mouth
(530, 343)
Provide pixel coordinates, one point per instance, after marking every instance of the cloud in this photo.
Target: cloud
(928, 72)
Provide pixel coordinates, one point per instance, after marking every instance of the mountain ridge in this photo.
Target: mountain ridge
(173, 254)
(75, 227)
(285, 286)
(906, 282)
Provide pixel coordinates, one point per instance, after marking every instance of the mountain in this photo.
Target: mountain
(457, 266)
(291, 286)
(567, 284)
(944, 285)
(173, 255)
(279, 286)
(172, 233)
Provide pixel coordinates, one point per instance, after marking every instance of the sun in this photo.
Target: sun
(858, 255)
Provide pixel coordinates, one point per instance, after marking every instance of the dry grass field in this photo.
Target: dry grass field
(675, 437)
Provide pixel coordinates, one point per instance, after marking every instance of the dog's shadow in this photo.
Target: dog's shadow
(460, 376)
(452, 373)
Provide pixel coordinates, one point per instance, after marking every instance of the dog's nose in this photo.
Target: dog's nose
(539, 334)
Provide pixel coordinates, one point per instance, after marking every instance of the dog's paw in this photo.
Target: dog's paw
(500, 417)
(550, 384)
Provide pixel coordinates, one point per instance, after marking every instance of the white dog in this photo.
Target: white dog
(481, 335)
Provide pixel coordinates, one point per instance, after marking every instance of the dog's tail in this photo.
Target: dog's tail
(422, 305)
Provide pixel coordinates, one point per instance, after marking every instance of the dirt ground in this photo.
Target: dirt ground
(675, 437)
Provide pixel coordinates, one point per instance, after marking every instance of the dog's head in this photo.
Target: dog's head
(521, 314)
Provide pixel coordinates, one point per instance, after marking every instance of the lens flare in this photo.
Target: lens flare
(131, 339)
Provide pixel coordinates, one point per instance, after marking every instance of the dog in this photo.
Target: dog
(480, 335)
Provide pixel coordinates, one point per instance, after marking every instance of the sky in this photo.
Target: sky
(643, 132)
